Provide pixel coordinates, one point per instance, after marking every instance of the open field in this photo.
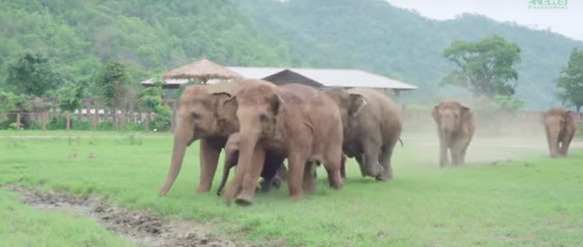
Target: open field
(510, 194)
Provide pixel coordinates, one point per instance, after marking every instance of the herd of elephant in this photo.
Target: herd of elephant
(259, 125)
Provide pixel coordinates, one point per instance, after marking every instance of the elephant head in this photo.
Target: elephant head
(450, 115)
(349, 104)
(560, 127)
(202, 114)
(257, 111)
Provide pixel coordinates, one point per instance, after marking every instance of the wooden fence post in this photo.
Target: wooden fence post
(122, 120)
(17, 121)
(87, 108)
(132, 118)
(95, 114)
(44, 118)
(147, 122)
(68, 121)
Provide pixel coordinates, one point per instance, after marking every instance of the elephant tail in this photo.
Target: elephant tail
(400, 141)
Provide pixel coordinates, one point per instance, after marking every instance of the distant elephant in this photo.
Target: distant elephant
(372, 127)
(203, 115)
(455, 126)
(560, 127)
(297, 121)
(273, 163)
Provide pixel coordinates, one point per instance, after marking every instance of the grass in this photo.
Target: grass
(510, 193)
(22, 225)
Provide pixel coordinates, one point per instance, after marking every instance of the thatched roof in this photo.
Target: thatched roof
(203, 70)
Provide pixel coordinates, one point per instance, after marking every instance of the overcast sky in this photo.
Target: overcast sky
(568, 22)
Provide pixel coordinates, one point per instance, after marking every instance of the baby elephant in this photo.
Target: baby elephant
(270, 174)
(560, 126)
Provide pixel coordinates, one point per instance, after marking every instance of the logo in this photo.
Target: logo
(547, 4)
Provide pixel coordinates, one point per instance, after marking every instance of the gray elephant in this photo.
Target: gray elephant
(204, 115)
(372, 126)
(455, 126)
(560, 127)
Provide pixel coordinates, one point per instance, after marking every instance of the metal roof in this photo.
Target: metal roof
(346, 78)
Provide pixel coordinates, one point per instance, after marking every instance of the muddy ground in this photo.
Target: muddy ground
(140, 227)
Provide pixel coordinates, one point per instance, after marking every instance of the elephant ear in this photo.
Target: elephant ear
(356, 103)
(224, 104)
(274, 104)
(465, 112)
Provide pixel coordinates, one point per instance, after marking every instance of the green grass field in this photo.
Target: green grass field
(510, 194)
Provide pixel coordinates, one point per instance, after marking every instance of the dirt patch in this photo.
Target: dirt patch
(140, 227)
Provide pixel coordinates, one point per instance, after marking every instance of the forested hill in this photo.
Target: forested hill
(378, 37)
(153, 36)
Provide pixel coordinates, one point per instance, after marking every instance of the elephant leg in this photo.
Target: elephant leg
(360, 159)
(297, 161)
(230, 161)
(565, 145)
(309, 181)
(443, 157)
(251, 177)
(456, 151)
(386, 154)
(209, 159)
(343, 166)
(371, 154)
(273, 162)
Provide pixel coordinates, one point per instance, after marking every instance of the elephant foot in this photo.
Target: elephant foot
(276, 182)
(382, 177)
(201, 190)
(296, 197)
(242, 200)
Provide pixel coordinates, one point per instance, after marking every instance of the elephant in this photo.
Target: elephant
(455, 127)
(372, 127)
(297, 121)
(271, 170)
(203, 115)
(560, 127)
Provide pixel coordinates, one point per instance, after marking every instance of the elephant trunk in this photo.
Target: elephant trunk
(553, 141)
(241, 186)
(182, 138)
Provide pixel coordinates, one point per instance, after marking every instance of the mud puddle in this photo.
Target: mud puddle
(140, 227)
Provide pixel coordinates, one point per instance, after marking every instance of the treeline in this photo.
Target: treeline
(149, 37)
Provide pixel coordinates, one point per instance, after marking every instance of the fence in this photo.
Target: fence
(486, 122)
(93, 113)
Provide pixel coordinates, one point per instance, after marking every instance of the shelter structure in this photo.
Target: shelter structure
(202, 70)
(324, 78)
(208, 71)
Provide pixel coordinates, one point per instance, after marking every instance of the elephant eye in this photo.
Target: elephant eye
(195, 115)
(263, 117)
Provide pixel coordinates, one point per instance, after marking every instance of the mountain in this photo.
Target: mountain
(154, 36)
(375, 36)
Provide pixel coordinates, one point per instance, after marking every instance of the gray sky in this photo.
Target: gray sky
(567, 21)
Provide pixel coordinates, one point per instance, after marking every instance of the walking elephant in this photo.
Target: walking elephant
(271, 169)
(203, 115)
(455, 126)
(299, 122)
(560, 127)
(372, 126)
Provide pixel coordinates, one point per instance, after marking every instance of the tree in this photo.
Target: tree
(70, 96)
(151, 98)
(484, 67)
(113, 81)
(570, 82)
(34, 75)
